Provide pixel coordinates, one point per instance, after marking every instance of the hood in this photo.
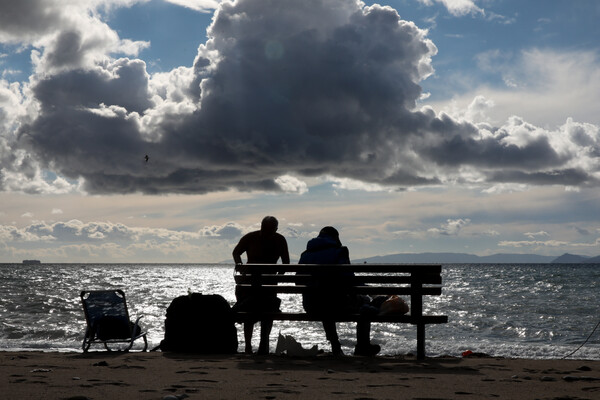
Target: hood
(321, 242)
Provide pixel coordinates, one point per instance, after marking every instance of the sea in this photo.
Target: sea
(539, 311)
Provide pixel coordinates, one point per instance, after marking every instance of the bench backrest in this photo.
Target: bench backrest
(412, 280)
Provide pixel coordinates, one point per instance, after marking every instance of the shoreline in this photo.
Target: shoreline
(154, 375)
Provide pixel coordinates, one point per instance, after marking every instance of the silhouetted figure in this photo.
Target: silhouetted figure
(146, 158)
(261, 247)
(327, 249)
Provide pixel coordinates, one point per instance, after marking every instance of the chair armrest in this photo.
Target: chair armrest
(135, 326)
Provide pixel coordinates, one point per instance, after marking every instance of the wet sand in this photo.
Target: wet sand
(135, 375)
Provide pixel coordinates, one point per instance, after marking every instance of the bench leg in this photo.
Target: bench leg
(420, 341)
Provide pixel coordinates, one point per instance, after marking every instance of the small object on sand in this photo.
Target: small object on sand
(175, 397)
(100, 364)
(41, 370)
(475, 354)
(288, 345)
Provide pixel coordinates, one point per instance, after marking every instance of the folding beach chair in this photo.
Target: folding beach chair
(108, 320)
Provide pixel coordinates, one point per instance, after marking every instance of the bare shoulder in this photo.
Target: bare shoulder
(255, 235)
(280, 237)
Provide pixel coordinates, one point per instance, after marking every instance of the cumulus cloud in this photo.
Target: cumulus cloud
(457, 7)
(551, 244)
(277, 94)
(533, 243)
(230, 230)
(543, 86)
(76, 231)
(62, 35)
(291, 184)
(67, 241)
(10, 234)
(451, 228)
(78, 241)
(69, 31)
(198, 5)
(352, 184)
(533, 235)
(491, 232)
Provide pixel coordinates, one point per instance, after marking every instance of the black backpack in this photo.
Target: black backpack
(199, 323)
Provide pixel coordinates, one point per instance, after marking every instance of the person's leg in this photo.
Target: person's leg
(363, 340)
(265, 332)
(363, 333)
(248, 328)
(332, 336)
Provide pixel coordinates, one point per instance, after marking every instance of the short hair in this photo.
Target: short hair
(269, 223)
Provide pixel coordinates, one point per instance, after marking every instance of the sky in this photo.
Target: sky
(467, 126)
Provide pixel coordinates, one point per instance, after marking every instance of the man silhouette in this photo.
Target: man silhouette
(265, 246)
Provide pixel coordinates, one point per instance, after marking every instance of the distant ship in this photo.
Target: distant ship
(31, 262)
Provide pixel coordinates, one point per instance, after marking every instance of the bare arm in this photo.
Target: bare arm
(238, 251)
(285, 255)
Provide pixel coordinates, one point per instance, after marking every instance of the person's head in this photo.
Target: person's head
(269, 225)
(331, 232)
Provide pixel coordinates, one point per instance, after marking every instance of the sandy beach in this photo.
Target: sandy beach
(156, 375)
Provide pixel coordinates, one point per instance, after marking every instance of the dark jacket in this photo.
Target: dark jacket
(326, 250)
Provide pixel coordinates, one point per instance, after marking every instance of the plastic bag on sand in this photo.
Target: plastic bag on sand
(394, 305)
(287, 344)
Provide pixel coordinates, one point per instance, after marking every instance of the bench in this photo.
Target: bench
(411, 282)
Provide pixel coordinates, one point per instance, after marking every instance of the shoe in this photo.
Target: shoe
(263, 350)
(368, 350)
(336, 349)
(337, 352)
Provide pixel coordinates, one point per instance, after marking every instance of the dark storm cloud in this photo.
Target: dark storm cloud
(491, 153)
(308, 88)
(83, 143)
(123, 83)
(25, 19)
(582, 231)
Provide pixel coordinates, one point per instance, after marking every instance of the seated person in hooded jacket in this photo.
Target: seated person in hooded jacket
(327, 249)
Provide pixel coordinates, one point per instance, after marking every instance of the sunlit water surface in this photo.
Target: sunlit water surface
(533, 311)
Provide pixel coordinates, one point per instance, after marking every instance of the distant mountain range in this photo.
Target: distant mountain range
(464, 258)
(575, 259)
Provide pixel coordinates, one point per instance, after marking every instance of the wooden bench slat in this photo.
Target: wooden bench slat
(271, 279)
(286, 316)
(356, 268)
(371, 290)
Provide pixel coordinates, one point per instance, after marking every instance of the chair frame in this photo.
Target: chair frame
(91, 336)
